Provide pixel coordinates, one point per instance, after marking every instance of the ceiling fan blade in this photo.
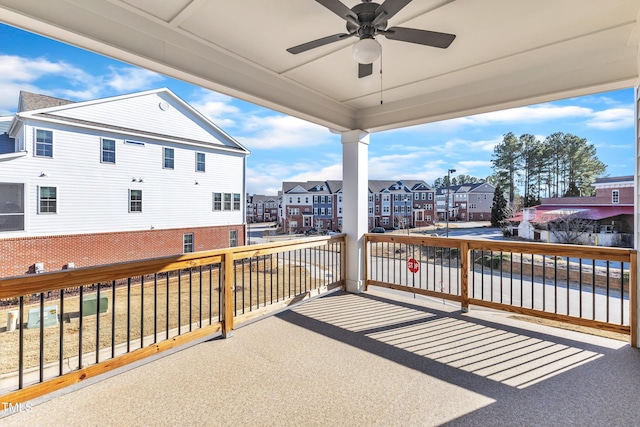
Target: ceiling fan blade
(365, 70)
(317, 43)
(390, 8)
(341, 10)
(412, 35)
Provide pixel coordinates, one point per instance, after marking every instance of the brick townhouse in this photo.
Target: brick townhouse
(392, 204)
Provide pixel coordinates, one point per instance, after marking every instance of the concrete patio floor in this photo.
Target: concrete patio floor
(372, 359)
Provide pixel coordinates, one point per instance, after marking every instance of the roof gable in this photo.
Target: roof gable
(158, 114)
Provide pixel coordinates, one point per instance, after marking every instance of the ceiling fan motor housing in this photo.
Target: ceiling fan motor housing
(366, 13)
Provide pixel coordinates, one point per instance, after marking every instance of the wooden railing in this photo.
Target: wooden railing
(583, 285)
(62, 327)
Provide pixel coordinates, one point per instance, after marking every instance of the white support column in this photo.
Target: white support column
(355, 204)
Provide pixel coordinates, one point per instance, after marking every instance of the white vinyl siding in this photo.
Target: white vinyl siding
(95, 199)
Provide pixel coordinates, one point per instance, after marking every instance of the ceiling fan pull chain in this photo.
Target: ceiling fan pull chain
(380, 77)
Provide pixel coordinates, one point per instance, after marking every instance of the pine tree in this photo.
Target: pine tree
(499, 208)
(507, 161)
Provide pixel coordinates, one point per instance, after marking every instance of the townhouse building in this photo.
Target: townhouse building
(392, 204)
(261, 208)
(135, 176)
(466, 202)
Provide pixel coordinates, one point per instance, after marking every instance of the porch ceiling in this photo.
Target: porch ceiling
(507, 53)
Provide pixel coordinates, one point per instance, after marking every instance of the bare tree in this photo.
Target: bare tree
(569, 229)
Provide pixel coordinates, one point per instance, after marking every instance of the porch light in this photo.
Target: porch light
(367, 50)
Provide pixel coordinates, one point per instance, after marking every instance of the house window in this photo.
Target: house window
(430, 196)
(47, 200)
(428, 217)
(227, 201)
(385, 220)
(233, 238)
(615, 196)
(370, 210)
(416, 196)
(200, 162)
(329, 212)
(315, 199)
(168, 158)
(370, 198)
(340, 199)
(12, 207)
(44, 143)
(187, 243)
(315, 211)
(340, 209)
(135, 200)
(236, 201)
(306, 200)
(377, 209)
(217, 201)
(385, 198)
(108, 150)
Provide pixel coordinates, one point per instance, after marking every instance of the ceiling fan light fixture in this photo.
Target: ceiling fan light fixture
(367, 50)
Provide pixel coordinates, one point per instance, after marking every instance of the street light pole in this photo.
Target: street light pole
(446, 203)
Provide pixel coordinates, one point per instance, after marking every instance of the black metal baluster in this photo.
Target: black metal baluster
(593, 289)
(608, 294)
(141, 311)
(61, 343)
(168, 274)
(568, 284)
(555, 284)
(580, 287)
(190, 298)
(510, 278)
(41, 364)
(521, 280)
(622, 293)
(501, 278)
(98, 324)
(80, 326)
(200, 296)
(113, 319)
(21, 344)
(179, 302)
(155, 308)
(544, 282)
(128, 314)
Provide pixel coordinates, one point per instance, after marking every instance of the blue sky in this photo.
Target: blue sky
(40, 65)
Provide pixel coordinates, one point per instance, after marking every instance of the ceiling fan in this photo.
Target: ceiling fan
(368, 19)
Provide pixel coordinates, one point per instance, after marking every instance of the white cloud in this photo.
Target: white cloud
(613, 118)
(20, 73)
(217, 107)
(131, 79)
(279, 132)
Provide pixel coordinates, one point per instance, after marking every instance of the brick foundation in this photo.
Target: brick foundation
(19, 255)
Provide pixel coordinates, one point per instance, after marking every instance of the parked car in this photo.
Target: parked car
(377, 230)
(311, 232)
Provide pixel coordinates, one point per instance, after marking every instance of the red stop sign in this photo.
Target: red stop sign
(413, 265)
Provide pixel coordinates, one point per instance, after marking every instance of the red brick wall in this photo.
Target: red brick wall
(18, 255)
